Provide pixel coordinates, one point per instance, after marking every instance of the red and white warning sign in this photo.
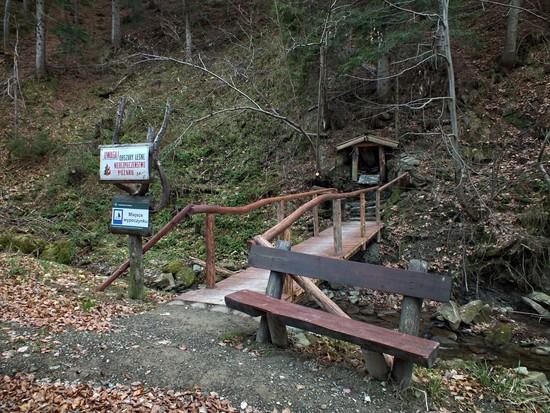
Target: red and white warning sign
(124, 163)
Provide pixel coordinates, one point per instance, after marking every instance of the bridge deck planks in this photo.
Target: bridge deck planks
(255, 279)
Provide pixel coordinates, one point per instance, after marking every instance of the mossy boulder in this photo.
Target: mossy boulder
(173, 267)
(26, 243)
(185, 277)
(470, 311)
(500, 335)
(62, 252)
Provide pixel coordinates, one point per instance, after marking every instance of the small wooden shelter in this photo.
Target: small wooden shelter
(368, 157)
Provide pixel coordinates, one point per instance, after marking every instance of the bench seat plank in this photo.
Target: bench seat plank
(357, 274)
(404, 346)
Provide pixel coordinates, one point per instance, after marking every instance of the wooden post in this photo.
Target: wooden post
(409, 323)
(354, 164)
(362, 207)
(315, 212)
(378, 220)
(210, 251)
(382, 163)
(136, 289)
(337, 226)
(270, 328)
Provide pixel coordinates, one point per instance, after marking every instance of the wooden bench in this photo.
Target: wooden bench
(404, 345)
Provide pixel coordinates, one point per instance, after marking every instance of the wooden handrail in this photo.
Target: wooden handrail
(383, 187)
(225, 210)
(274, 231)
(206, 209)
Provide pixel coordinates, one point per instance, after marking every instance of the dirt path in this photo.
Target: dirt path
(178, 347)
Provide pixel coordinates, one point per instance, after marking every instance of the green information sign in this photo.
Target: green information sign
(130, 215)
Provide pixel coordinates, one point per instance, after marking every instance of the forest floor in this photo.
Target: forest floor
(64, 346)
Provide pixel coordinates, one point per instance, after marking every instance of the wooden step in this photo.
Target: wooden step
(379, 339)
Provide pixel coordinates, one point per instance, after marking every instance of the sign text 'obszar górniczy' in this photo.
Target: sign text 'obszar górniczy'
(124, 163)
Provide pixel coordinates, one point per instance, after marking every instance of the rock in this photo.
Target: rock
(407, 163)
(443, 332)
(536, 377)
(540, 297)
(186, 277)
(535, 306)
(450, 313)
(418, 265)
(163, 281)
(230, 265)
(469, 312)
(542, 350)
(301, 340)
(368, 310)
(328, 293)
(521, 371)
(500, 335)
(484, 315)
(173, 267)
(372, 254)
(197, 268)
(352, 309)
(62, 252)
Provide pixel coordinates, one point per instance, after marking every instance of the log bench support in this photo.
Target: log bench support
(379, 344)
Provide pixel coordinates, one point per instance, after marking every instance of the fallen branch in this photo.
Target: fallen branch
(219, 270)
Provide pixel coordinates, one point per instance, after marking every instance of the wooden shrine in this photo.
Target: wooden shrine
(368, 157)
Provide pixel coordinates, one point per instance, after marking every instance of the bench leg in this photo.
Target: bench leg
(274, 289)
(376, 365)
(409, 323)
(277, 331)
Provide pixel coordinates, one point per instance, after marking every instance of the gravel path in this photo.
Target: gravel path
(178, 347)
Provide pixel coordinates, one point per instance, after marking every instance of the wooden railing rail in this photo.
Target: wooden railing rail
(210, 210)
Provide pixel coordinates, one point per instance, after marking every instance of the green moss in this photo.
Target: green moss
(62, 252)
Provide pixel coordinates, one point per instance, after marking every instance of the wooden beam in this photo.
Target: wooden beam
(309, 286)
(354, 164)
(136, 288)
(409, 323)
(337, 226)
(362, 214)
(379, 339)
(415, 284)
(378, 218)
(210, 251)
(382, 163)
(315, 212)
(271, 330)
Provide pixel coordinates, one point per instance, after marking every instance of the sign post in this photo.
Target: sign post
(129, 167)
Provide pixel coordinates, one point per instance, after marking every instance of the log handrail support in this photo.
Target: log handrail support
(318, 197)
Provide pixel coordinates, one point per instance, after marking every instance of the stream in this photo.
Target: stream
(467, 345)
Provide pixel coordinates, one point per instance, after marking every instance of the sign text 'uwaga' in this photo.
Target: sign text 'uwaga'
(124, 163)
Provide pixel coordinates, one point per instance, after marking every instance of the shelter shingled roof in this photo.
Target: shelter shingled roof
(392, 143)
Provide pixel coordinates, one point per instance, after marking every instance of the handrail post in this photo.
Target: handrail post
(362, 206)
(337, 226)
(378, 219)
(315, 212)
(210, 251)
(280, 215)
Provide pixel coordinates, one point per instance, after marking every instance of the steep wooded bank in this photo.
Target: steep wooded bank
(262, 93)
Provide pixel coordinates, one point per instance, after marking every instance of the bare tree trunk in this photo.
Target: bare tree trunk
(6, 27)
(115, 25)
(26, 6)
(322, 123)
(76, 11)
(383, 77)
(509, 55)
(188, 35)
(40, 40)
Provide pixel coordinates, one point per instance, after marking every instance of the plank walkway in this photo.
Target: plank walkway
(255, 279)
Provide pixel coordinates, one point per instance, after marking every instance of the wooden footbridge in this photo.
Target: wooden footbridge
(342, 239)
